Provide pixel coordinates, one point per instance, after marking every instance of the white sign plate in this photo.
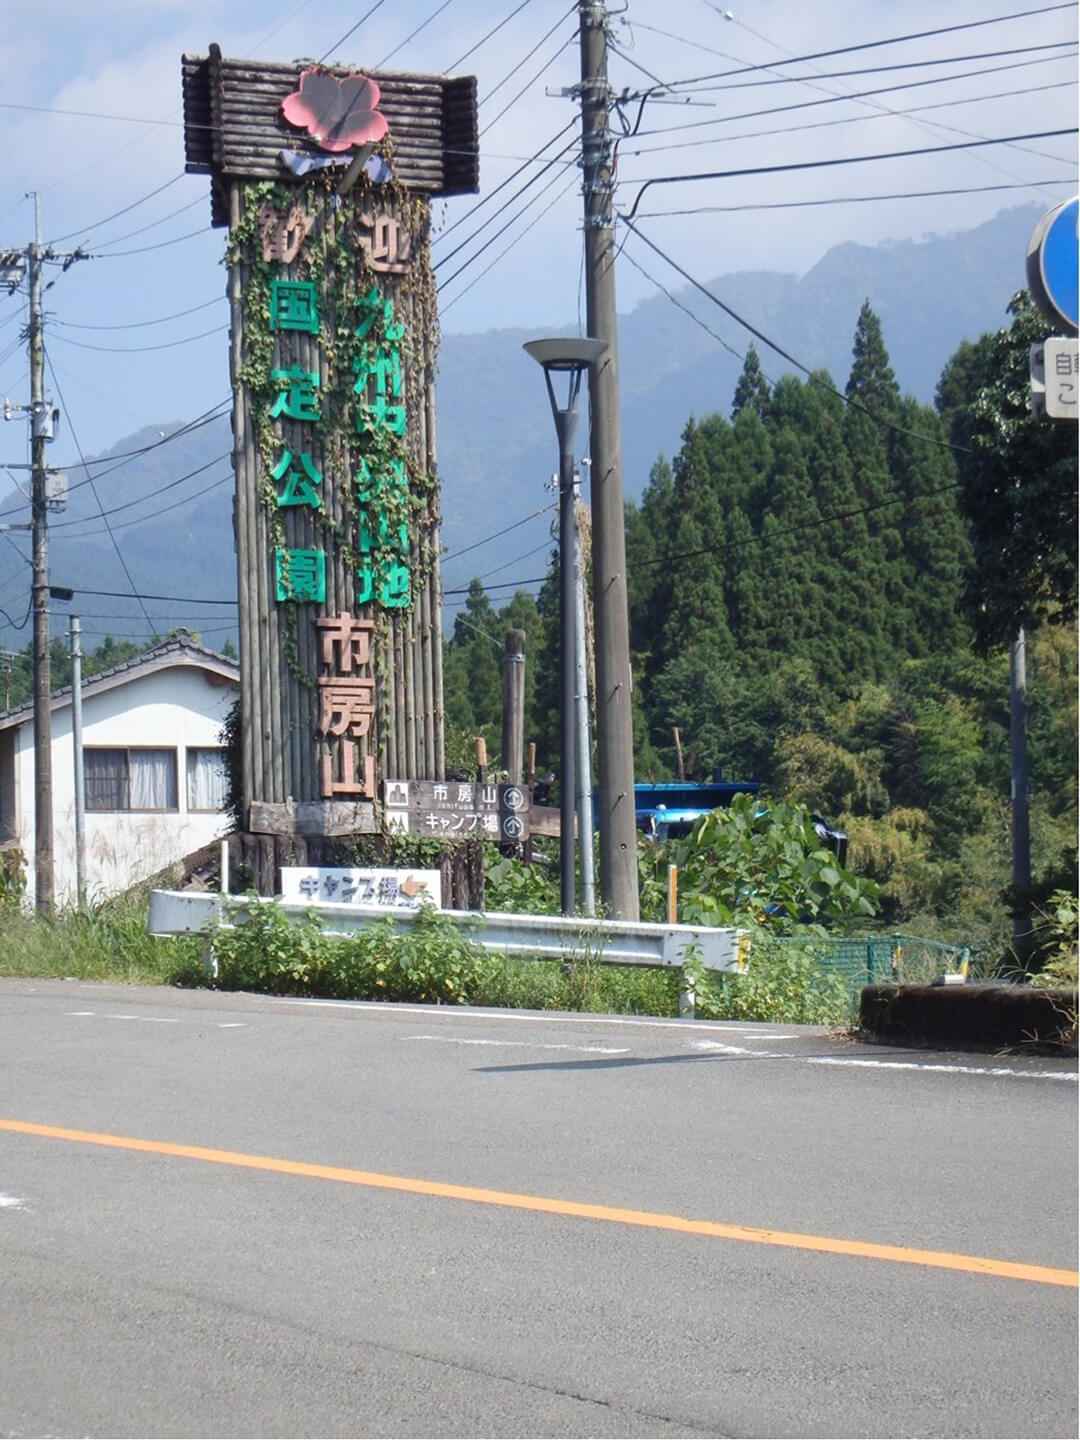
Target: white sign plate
(359, 885)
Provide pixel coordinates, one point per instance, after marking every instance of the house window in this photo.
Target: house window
(129, 779)
(206, 779)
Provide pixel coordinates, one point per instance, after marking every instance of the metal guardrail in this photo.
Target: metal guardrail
(543, 937)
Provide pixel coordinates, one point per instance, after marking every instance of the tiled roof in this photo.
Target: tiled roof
(180, 644)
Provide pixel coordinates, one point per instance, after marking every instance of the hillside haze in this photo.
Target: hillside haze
(497, 448)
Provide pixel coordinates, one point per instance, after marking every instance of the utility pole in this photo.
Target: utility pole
(614, 720)
(39, 432)
(1021, 828)
(77, 762)
(581, 726)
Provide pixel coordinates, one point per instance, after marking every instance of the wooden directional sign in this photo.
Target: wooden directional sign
(456, 810)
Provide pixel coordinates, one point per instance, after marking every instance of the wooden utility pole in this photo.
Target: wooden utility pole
(513, 715)
(614, 721)
(43, 816)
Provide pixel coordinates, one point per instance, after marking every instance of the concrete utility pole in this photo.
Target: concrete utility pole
(77, 762)
(1021, 827)
(39, 430)
(614, 722)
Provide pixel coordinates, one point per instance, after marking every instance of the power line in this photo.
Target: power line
(528, 84)
(876, 44)
(140, 324)
(498, 534)
(140, 349)
(507, 248)
(493, 31)
(504, 206)
(834, 99)
(513, 219)
(883, 113)
(142, 499)
(145, 249)
(503, 183)
(351, 31)
(527, 56)
(176, 505)
(116, 213)
(183, 209)
(772, 344)
(840, 160)
(412, 36)
(131, 595)
(93, 487)
(849, 200)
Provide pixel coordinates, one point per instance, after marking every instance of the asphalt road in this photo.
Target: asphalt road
(229, 1215)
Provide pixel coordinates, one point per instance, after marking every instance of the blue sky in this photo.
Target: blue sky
(157, 274)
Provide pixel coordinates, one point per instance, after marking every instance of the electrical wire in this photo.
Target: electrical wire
(494, 31)
(527, 56)
(412, 36)
(513, 220)
(840, 160)
(116, 213)
(142, 499)
(860, 95)
(174, 599)
(503, 183)
(814, 377)
(881, 113)
(877, 44)
(119, 239)
(351, 31)
(528, 84)
(138, 324)
(139, 349)
(532, 180)
(164, 510)
(498, 534)
(507, 248)
(851, 199)
(93, 487)
(145, 249)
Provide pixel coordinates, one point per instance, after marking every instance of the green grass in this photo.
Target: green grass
(430, 962)
(108, 943)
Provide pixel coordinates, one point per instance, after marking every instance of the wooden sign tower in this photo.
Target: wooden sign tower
(324, 178)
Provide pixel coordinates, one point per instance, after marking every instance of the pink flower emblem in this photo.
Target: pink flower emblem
(337, 114)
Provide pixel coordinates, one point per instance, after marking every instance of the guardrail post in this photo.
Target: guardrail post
(687, 996)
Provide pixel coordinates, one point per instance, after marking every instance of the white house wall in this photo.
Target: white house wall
(172, 708)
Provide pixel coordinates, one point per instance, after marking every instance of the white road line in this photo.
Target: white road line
(11, 1202)
(121, 1017)
(871, 1064)
(158, 1020)
(523, 1045)
(232, 1025)
(80, 1012)
(945, 1069)
(378, 1007)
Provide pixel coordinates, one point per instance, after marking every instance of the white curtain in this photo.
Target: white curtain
(206, 779)
(153, 779)
(106, 773)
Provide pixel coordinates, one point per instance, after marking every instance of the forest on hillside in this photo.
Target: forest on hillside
(823, 588)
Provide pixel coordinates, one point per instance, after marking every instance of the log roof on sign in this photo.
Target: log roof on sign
(234, 128)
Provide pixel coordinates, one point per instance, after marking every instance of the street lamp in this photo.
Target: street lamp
(570, 356)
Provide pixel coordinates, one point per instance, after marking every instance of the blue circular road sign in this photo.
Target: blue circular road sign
(1052, 263)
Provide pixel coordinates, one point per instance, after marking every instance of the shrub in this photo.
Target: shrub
(784, 981)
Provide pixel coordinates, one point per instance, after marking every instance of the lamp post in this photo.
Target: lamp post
(570, 356)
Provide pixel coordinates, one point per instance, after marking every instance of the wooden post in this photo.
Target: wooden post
(481, 759)
(680, 768)
(513, 715)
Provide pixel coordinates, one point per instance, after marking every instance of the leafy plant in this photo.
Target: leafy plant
(758, 861)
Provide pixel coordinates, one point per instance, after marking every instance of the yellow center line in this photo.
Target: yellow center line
(899, 1254)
